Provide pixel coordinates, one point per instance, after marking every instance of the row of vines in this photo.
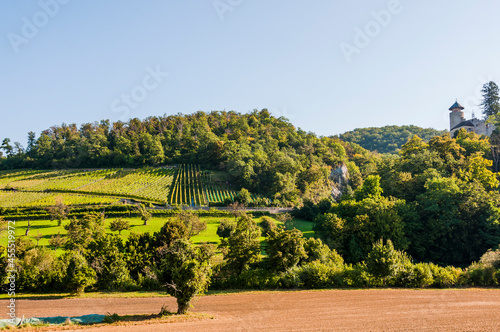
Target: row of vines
(187, 187)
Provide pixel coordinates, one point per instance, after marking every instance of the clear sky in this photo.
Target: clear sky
(328, 66)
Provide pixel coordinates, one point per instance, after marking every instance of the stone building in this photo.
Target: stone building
(458, 121)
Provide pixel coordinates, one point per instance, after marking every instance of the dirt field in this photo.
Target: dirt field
(339, 310)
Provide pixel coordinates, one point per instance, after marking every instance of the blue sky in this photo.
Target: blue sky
(328, 66)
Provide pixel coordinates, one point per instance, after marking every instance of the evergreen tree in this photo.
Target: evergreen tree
(490, 104)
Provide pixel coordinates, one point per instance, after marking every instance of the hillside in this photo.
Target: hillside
(388, 139)
(171, 185)
(266, 155)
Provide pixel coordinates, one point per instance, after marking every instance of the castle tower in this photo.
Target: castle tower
(456, 115)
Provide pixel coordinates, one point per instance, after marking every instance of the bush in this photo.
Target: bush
(313, 275)
(358, 276)
(384, 262)
(480, 275)
(422, 276)
(448, 276)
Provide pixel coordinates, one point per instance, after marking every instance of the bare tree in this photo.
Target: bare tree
(57, 241)
(237, 209)
(59, 211)
(38, 237)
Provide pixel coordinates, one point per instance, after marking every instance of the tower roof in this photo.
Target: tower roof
(456, 105)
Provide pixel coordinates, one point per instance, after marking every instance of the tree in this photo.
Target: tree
(225, 228)
(59, 211)
(244, 196)
(79, 274)
(143, 213)
(28, 228)
(237, 209)
(267, 224)
(7, 147)
(193, 223)
(490, 103)
(352, 227)
(82, 231)
(285, 248)
(31, 143)
(384, 261)
(106, 255)
(172, 230)
(495, 150)
(243, 245)
(286, 219)
(56, 241)
(18, 149)
(370, 188)
(316, 250)
(38, 237)
(186, 271)
(119, 225)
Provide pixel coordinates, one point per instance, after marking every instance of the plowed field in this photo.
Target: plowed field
(332, 310)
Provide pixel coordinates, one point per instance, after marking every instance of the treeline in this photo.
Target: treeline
(388, 139)
(263, 154)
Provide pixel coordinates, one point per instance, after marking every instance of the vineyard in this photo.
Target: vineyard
(194, 187)
(186, 185)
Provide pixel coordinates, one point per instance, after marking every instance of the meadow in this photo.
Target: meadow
(48, 228)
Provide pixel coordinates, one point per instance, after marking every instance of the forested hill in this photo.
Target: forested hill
(388, 139)
(260, 152)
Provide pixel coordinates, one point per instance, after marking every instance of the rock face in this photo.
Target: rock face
(340, 178)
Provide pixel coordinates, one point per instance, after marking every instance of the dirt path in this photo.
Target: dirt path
(339, 310)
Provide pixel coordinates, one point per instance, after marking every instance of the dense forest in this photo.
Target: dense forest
(388, 139)
(439, 201)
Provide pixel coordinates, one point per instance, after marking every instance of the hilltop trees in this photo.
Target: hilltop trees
(388, 139)
(490, 103)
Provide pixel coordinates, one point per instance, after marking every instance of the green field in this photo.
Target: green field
(49, 228)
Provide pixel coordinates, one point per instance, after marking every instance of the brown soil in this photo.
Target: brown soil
(339, 310)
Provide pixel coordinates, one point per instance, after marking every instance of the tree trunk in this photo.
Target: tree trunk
(182, 307)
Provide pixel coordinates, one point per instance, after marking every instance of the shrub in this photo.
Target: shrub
(422, 276)
(384, 262)
(446, 276)
(358, 276)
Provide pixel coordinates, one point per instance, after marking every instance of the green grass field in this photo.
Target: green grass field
(49, 228)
